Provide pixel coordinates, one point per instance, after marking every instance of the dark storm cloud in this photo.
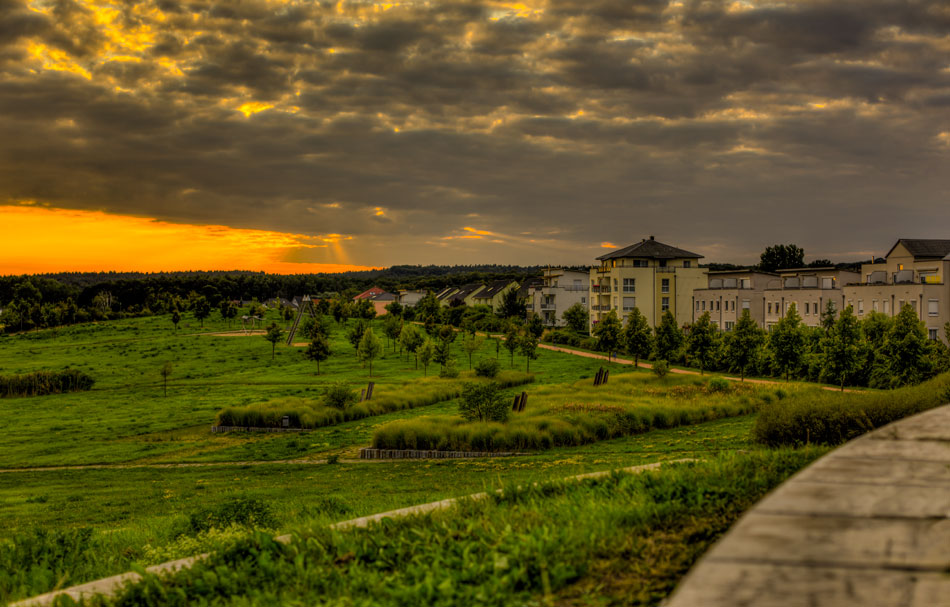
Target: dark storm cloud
(598, 121)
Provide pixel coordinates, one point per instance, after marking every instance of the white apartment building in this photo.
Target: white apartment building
(559, 290)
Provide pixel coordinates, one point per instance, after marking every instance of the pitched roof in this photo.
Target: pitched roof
(651, 248)
(526, 286)
(924, 247)
(494, 288)
(369, 293)
(466, 290)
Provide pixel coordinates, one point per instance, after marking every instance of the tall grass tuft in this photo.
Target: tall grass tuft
(41, 383)
(830, 418)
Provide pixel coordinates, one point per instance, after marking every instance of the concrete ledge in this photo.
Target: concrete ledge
(867, 525)
(368, 453)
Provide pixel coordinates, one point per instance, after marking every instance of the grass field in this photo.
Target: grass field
(66, 526)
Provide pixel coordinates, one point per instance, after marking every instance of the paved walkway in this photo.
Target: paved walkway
(868, 525)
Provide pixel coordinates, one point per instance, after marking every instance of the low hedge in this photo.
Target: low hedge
(41, 383)
(830, 418)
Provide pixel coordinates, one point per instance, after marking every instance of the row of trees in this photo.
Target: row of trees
(878, 351)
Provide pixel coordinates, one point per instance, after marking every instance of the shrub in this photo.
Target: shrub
(660, 368)
(565, 337)
(449, 371)
(589, 343)
(487, 367)
(483, 402)
(239, 511)
(718, 384)
(828, 418)
(339, 396)
(41, 383)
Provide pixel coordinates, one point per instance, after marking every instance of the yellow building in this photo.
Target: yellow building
(648, 275)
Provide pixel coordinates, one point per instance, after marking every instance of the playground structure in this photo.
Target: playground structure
(306, 307)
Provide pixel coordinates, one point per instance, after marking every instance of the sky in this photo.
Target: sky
(307, 136)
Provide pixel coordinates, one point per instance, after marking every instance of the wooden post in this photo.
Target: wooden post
(514, 406)
(362, 394)
(369, 390)
(606, 375)
(524, 401)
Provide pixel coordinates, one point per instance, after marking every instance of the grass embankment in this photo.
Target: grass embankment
(311, 413)
(641, 532)
(579, 413)
(831, 418)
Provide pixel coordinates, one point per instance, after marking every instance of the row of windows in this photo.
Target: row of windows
(644, 263)
(730, 305)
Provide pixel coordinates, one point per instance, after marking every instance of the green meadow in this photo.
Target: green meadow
(99, 482)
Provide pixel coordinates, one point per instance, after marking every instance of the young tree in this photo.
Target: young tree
(828, 316)
(787, 342)
(202, 309)
(287, 313)
(166, 372)
(424, 354)
(319, 325)
(577, 318)
(512, 340)
(411, 339)
(608, 333)
(395, 309)
(702, 342)
(176, 318)
(442, 353)
(669, 338)
(273, 335)
(355, 335)
(472, 346)
(365, 309)
(483, 402)
(907, 349)
(742, 342)
(528, 347)
(228, 311)
(429, 307)
(841, 348)
(318, 350)
(392, 327)
(637, 337)
(369, 349)
(781, 256)
(536, 327)
(511, 305)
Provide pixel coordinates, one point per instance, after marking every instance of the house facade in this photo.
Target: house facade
(728, 293)
(493, 293)
(915, 273)
(558, 290)
(649, 275)
(810, 290)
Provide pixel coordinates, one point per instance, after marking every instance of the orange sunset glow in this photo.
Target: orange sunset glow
(37, 240)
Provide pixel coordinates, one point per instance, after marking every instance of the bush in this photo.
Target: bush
(589, 343)
(483, 402)
(449, 371)
(563, 337)
(339, 396)
(660, 368)
(239, 511)
(487, 367)
(830, 418)
(718, 384)
(41, 383)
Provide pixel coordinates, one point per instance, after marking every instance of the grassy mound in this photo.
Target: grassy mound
(309, 413)
(527, 546)
(831, 418)
(578, 413)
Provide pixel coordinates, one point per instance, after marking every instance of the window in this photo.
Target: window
(615, 284)
(746, 283)
(827, 283)
(770, 307)
(629, 303)
(661, 263)
(887, 306)
(933, 307)
(583, 300)
(729, 325)
(717, 306)
(913, 305)
(860, 306)
(687, 264)
(874, 305)
(746, 304)
(807, 308)
(697, 305)
(629, 285)
(665, 304)
(665, 285)
(900, 305)
(932, 334)
(704, 305)
(640, 263)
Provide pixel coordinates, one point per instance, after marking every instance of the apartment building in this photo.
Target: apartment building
(559, 290)
(649, 275)
(410, 298)
(914, 272)
(809, 289)
(727, 293)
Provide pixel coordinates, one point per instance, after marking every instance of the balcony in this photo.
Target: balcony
(666, 270)
(548, 306)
